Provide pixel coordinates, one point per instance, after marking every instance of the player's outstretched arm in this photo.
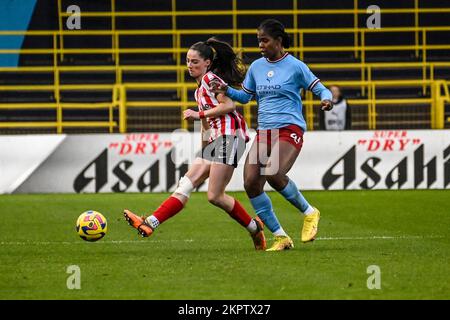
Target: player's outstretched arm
(237, 95)
(226, 105)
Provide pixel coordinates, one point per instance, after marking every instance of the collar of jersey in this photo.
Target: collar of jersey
(278, 60)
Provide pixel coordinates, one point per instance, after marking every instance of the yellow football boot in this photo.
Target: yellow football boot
(310, 226)
(281, 243)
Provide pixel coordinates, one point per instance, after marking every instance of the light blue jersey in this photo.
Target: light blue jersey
(276, 85)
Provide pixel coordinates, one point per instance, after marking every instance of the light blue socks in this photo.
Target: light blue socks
(264, 210)
(294, 196)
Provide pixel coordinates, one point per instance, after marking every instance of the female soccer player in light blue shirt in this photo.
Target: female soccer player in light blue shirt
(275, 81)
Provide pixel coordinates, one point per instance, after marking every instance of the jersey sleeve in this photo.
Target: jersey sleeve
(208, 77)
(319, 90)
(249, 84)
(306, 78)
(205, 83)
(239, 95)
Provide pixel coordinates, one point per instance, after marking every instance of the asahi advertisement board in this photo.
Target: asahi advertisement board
(153, 162)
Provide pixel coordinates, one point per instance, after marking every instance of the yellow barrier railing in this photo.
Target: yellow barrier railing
(176, 50)
(439, 96)
(436, 101)
(438, 89)
(59, 124)
(366, 69)
(295, 12)
(360, 48)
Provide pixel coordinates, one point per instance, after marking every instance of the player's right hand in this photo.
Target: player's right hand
(190, 115)
(216, 86)
(327, 105)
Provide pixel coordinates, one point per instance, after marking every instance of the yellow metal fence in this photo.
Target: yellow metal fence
(360, 48)
(438, 88)
(420, 47)
(365, 70)
(295, 12)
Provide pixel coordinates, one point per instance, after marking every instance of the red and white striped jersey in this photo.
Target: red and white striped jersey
(228, 124)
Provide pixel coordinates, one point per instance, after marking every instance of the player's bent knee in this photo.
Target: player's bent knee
(215, 199)
(247, 186)
(252, 187)
(278, 181)
(248, 183)
(185, 187)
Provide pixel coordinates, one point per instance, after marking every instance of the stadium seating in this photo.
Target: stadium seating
(124, 70)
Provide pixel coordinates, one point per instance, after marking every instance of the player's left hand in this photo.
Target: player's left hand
(327, 105)
(190, 115)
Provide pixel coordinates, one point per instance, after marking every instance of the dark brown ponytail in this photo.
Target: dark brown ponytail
(224, 62)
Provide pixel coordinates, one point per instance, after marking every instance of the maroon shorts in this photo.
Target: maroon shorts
(292, 134)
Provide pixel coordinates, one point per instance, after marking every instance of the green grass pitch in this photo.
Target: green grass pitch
(203, 254)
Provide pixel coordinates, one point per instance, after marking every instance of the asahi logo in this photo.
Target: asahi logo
(95, 175)
(344, 170)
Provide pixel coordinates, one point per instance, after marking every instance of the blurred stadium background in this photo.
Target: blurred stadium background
(124, 71)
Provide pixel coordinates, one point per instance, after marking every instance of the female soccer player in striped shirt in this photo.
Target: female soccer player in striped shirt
(275, 80)
(220, 154)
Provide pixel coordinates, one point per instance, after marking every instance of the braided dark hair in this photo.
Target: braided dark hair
(275, 29)
(224, 62)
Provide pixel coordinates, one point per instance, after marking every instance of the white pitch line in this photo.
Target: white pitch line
(380, 238)
(24, 243)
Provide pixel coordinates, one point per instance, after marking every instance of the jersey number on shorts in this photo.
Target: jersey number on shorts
(296, 138)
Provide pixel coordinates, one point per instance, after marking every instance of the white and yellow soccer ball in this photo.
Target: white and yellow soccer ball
(91, 225)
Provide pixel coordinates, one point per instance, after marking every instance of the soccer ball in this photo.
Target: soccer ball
(91, 226)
